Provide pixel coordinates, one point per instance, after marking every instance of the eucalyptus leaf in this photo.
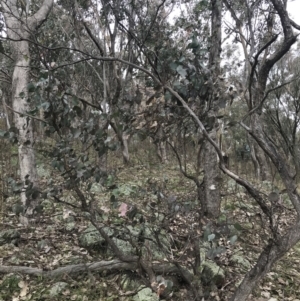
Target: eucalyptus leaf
(238, 227)
(211, 237)
(182, 72)
(233, 239)
(31, 87)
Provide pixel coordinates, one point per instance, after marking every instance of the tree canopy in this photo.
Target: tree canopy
(94, 90)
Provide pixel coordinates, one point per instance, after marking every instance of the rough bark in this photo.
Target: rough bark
(271, 254)
(280, 244)
(263, 172)
(254, 159)
(162, 151)
(211, 183)
(210, 159)
(125, 149)
(8, 114)
(98, 266)
(292, 235)
(19, 31)
(160, 145)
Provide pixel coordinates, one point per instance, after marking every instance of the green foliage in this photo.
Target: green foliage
(9, 286)
(88, 105)
(15, 185)
(11, 134)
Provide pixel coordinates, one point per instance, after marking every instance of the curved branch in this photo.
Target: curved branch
(259, 106)
(294, 24)
(272, 40)
(188, 176)
(41, 15)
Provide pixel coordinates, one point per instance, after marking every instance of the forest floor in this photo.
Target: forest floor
(47, 243)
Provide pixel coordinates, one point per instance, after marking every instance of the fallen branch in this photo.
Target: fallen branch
(98, 266)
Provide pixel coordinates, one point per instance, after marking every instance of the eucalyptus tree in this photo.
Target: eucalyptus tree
(109, 29)
(128, 42)
(260, 58)
(186, 69)
(283, 108)
(189, 59)
(251, 35)
(21, 25)
(210, 160)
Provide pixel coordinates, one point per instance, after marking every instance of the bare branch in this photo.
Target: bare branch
(273, 39)
(294, 24)
(259, 106)
(85, 101)
(97, 266)
(27, 115)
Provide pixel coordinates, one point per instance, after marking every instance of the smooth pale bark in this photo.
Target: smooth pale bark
(19, 31)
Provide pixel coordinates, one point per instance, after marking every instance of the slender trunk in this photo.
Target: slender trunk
(161, 151)
(210, 165)
(125, 150)
(262, 162)
(211, 183)
(253, 158)
(270, 255)
(8, 115)
(160, 145)
(20, 81)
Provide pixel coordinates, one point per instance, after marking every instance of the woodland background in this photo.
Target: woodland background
(149, 150)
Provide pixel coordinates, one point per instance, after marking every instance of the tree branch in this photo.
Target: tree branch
(294, 24)
(41, 15)
(97, 266)
(27, 115)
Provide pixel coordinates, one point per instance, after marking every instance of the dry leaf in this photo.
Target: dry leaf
(21, 284)
(265, 294)
(67, 213)
(105, 209)
(24, 288)
(123, 209)
(154, 124)
(24, 220)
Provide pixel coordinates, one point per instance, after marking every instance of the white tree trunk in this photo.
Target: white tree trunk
(19, 31)
(24, 124)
